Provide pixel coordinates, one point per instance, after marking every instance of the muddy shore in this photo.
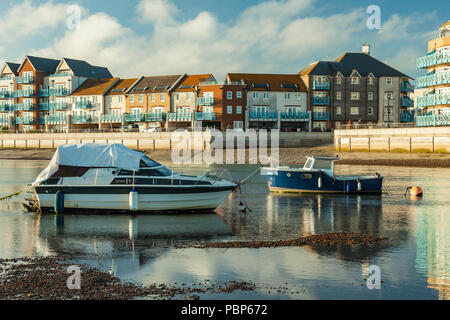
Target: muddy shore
(286, 156)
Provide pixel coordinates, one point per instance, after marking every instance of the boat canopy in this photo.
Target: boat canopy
(95, 155)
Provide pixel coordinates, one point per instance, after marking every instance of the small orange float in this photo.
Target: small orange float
(415, 191)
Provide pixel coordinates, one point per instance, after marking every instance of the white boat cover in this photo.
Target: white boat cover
(94, 155)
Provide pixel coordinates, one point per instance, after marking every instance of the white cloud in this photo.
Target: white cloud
(156, 11)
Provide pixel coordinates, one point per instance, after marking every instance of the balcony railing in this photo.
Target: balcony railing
(321, 85)
(22, 93)
(205, 116)
(321, 116)
(24, 120)
(433, 120)
(179, 116)
(81, 119)
(53, 92)
(205, 101)
(52, 106)
(55, 119)
(433, 59)
(320, 101)
(406, 102)
(294, 116)
(4, 121)
(155, 116)
(111, 118)
(61, 74)
(4, 107)
(7, 77)
(433, 79)
(406, 117)
(83, 104)
(134, 117)
(25, 79)
(23, 107)
(5, 94)
(406, 87)
(263, 116)
(433, 100)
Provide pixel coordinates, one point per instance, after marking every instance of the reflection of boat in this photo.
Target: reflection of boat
(116, 178)
(317, 175)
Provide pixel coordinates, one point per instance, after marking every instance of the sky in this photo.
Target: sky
(154, 37)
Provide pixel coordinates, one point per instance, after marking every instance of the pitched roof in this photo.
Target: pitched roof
(121, 87)
(348, 62)
(94, 87)
(42, 64)
(155, 84)
(269, 82)
(14, 67)
(445, 25)
(189, 83)
(84, 69)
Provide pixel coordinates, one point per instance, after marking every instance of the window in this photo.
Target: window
(120, 98)
(388, 81)
(229, 95)
(338, 110)
(238, 124)
(153, 97)
(388, 96)
(370, 96)
(132, 98)
(229, 109)
(287, 96)
(188, 95)
(141, 98)
(239, 109)
(255, 95)
(266, 96)
(338, 95)
(163, 97)
(370, 80)
(339, 80)
(355, 96)
(354, 110)
(370, 111)
(177, 96)
(297, 96)
(239, 94)
(355, 80)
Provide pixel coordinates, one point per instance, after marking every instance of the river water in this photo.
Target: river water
(414, 264)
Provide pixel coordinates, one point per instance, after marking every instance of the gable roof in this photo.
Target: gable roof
(121, 87)
(84, 69)
(42, 64)
(14, 67)
(349, 61)
(189, 82)
(156, 84)
(93, 87)
(269, 82)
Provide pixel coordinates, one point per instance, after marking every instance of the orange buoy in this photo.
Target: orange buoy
(416, 191)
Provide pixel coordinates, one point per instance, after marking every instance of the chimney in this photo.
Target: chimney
(366, 48)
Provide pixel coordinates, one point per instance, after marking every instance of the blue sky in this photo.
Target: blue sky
(175, 36)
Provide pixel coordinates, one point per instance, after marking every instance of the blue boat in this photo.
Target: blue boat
(317, 176)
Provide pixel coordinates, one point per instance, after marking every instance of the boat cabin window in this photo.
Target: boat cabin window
(322, 164)
(308, 164)
(160, 172)
(50, 181)
(158, 181)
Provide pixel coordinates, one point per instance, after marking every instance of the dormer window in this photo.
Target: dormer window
(355, 80)
(388, 81)
(339, 80)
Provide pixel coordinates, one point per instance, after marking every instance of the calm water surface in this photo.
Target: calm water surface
(414, 265)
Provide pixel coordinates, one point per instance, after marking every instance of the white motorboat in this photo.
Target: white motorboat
(111, 177)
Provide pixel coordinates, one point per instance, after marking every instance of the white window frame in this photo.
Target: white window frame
(339, 110)
(338, 95)
(355, 80)
(388, 81)
(266, 95)
(255, 95)
(229, 109)
(354, 113)
(354, 95)
(370, 96)
(132, 98)
(238, 109)
(162, 97)
(229, 95)
(239, 94)
(370, 111)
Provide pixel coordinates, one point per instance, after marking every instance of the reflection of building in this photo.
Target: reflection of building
(433, 249)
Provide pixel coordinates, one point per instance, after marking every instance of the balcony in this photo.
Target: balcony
(24, 120)
(134, 117)
(433, 120)
(179, 116)
(321, 85)
(55, 119)
(406, 101)
(294, 116)
(321, 116)
(4, 107)
(22, 93)
(205, 116)
(320, 101)
(83, 104)
(23, 107)
(5, 94)
(205, 101)
(4, 121)
(433, 79)
(433, 100)
(406, 117)
(53, 92)
(7, 77)
(155, 116)
(406, 87)
(433, 59)
(25, 79)
(111, 118)
(62, 74)
(81, 119)
(263, 116)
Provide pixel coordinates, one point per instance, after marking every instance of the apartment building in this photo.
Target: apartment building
(274, 101)
(115, 103)
(8, 86)
(88, 104)
(149, 101)
(357, 88)
(435, 102)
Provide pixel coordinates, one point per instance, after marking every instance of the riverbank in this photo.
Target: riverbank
(291, 156)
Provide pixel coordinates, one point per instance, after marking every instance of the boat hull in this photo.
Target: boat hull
(150, 199)
(298, 181)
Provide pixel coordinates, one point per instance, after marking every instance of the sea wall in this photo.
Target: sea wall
(432, 139)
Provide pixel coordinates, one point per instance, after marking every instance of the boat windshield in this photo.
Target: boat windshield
(308, 163)
(147, 162)
(322, 164)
